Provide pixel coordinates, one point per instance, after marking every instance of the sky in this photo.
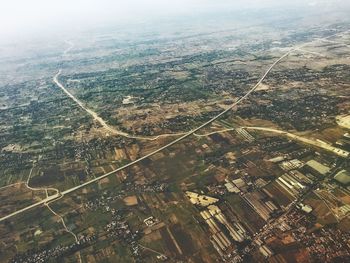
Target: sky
(25, 17)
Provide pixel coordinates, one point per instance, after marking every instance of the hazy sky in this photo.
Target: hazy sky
(21, 17)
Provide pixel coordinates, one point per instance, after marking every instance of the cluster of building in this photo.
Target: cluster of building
(262, 204)
(55, 253)
(324, 244)
(328, 244)
(151, 221)
(119, 229)
(103, 201)
(289, 164)
(293, 182)
(344, 141)
(224, 233)
(178, 123)
(298, 178)
(299, 172)
(343, 177)
(236, 186)
(155, 187)
(243, 133)
(311, 112)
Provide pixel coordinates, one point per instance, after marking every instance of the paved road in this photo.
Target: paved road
(68, 191)
(102, 121)
(42, 202)
(214, 132)
(312, 142)
(95, 115)
(180, 138)
(81, 105)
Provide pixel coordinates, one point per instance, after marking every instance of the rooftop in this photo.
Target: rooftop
(343, 177)
(318, 167)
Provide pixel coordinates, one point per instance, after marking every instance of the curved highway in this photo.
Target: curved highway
(73, 189)
(97, 118)
(313, 142)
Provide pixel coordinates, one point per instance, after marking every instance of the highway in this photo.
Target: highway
(180, 138)
(81, 105)
(102, 121)
(42, 202)
(114, 131)
(69, 48)
(313, 142)
(95, 116)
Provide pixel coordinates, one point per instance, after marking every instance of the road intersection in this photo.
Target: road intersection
(59, 195)
(183, 136)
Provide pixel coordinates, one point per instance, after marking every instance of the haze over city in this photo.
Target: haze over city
(193, 131)
(37, 18)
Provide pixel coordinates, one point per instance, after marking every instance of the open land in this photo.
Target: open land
(230, 145)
